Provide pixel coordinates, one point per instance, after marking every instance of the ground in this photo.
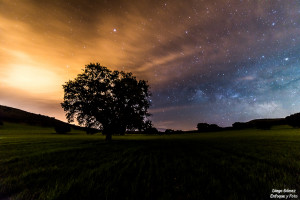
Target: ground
(35, 163)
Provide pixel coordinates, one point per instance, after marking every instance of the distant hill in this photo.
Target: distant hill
(260, 123)
(274, 121)
(15, 115)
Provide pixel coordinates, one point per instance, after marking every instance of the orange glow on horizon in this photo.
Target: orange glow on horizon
(32, 79)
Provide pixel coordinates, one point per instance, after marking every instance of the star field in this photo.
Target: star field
(217, 61)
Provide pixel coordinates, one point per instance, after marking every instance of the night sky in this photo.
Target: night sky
(206, 61)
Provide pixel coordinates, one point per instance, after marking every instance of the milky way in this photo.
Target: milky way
(206, 61)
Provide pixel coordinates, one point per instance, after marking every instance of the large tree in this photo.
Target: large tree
(111, 100)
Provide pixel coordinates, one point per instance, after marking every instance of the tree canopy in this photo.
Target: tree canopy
(204, 127)
(114, 101)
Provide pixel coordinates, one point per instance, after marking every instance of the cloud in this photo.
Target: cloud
(267, 109)
(247, 78)
(195, 54)
(200, 97)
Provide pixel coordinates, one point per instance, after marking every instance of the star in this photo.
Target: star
(235, 54)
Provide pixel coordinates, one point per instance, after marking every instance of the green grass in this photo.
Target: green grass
(35, 163)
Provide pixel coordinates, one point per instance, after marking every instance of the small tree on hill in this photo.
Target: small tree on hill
(202, 127)
(111, 100)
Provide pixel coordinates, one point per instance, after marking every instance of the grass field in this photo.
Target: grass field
(35, 163)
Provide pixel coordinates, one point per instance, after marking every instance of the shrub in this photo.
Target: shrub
(62, 128)
(169, 131)
(151, 130)
(204, 127)
(178, 132)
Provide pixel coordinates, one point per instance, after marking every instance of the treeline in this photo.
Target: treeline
(154, 131)
(263, 124)
(266, 124)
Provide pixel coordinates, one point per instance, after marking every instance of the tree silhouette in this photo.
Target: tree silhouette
(204, 127)
(151, 130)
(111, 100)
(169, 131)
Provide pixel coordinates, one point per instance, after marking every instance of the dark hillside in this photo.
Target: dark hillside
(260, 123)
(19, 116)
(274, 121)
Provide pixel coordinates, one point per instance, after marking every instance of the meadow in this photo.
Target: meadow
(36, 163)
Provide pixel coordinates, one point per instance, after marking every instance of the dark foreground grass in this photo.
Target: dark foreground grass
(226, 165)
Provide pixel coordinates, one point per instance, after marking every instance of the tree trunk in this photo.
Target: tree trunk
(107, 132)
(108, 137)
